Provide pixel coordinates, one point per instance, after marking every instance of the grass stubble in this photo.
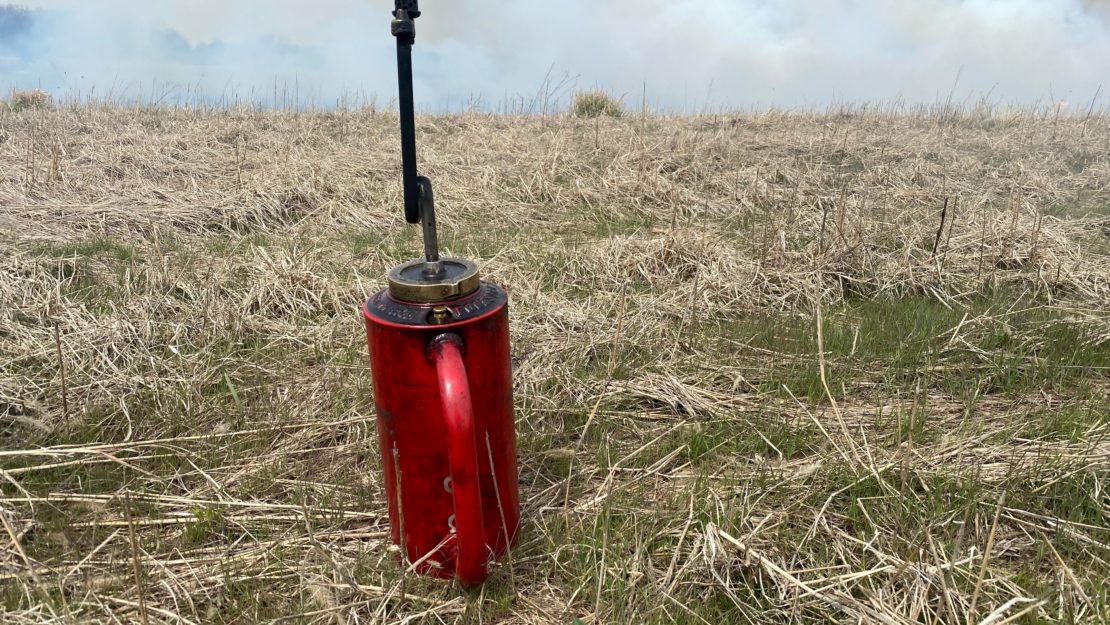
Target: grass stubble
(845, 366)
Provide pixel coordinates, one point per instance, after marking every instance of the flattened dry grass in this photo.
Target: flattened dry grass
(759, 377)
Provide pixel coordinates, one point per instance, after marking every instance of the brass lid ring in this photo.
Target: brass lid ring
(409, 282)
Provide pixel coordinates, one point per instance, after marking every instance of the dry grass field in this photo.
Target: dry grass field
(845, 367)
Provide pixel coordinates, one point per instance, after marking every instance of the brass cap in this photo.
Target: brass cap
(408, 281)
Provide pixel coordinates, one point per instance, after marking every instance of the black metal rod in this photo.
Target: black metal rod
(408, 128)
(433, 267)
(419, 201)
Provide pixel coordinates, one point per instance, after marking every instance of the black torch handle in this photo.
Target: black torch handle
(419, 202)
(404, 29)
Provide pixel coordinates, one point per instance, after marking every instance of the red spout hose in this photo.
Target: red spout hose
(458, 411)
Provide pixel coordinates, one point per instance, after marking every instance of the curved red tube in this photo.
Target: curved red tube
(458, 412)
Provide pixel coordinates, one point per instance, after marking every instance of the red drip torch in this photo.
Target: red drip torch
(439, 354)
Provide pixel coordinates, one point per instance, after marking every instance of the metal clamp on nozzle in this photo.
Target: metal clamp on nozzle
(403, 27)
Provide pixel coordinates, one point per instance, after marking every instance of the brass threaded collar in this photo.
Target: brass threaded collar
(408, 282)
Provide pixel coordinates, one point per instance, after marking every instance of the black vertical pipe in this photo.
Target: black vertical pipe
(408, 128)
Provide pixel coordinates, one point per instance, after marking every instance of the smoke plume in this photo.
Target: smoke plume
(684, 55)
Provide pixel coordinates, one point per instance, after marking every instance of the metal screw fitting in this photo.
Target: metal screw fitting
(403, 28)
(440, 314)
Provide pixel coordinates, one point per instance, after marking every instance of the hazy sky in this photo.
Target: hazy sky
(727, 53)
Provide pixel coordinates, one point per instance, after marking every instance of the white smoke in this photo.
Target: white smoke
(687, 54)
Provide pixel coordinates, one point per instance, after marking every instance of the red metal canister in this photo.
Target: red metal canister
(439, 354)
